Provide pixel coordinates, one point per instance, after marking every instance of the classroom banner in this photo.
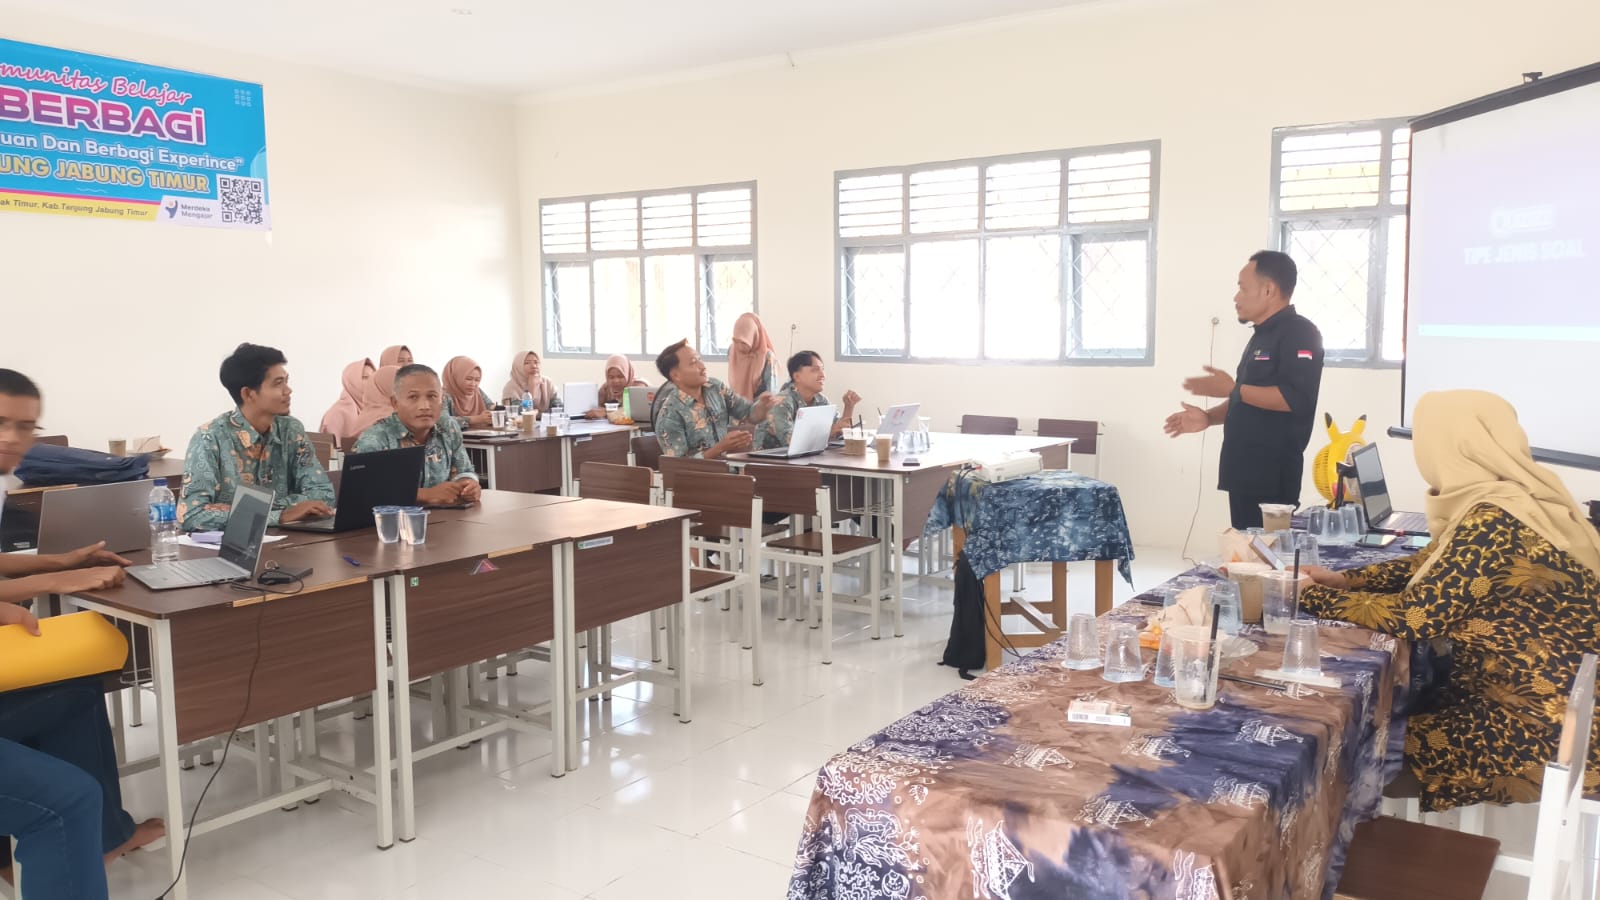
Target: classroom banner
(85, 135)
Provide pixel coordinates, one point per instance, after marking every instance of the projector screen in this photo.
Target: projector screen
(1503, 270)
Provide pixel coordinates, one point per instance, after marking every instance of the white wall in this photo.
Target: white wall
(1209, 78)
(394, 219)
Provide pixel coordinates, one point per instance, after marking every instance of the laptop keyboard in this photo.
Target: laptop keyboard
(200, 569)
(1409, 522)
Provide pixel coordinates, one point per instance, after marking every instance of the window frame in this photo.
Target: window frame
(1378, 218)
(1071, 236)
(704, 255)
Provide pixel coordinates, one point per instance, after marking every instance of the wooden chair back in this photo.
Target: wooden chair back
(673, 466)
(988, 425)
(1559, 860)
(646, 451)
(323, 443)
(60, 440)
(791, 490)
(608, 481)
(1087, 432)
(724, 501)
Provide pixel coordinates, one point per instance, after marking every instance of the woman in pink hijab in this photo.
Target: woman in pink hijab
(463, 398)
(525, 378)
(619, 377)
(398, 355)
(340, 418)
(375, 405)
(751, 365)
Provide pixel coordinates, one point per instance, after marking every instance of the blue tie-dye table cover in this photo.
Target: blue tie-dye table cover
(1052, 516)
(988, 792)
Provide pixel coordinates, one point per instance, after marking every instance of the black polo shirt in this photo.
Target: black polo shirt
(1263, 449)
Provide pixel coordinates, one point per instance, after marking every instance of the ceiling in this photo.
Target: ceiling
(530, 46)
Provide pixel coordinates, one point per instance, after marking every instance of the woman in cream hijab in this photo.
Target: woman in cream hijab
(340, 419)
(619, 377)
(751, 364)
(463, 397)
(397, 356)
(375, 404)
(1511, 579)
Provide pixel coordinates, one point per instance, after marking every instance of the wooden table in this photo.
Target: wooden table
(539, 462)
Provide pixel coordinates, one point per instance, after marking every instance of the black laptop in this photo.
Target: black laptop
(380, 478)
(1381, 514)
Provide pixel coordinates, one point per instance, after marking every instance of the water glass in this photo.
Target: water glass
(387, 519)
(1354, 522)
(414, 524)
(1083, 643)
(1230, 607)
(1124, 662)
(1333, 532)
(1163, 675)
(1278, 601)
(1196, 659)
(497, 418)
(1301, 655)
(1317, 521)
(1310, 550)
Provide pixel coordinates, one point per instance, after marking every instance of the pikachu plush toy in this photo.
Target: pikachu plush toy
(1326, 468)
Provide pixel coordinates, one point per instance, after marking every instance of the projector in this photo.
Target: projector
(1005, 467)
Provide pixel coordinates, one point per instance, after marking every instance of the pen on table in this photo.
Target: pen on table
(352, 561)
(1255, 682)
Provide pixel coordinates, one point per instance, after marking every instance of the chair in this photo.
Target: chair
(1087, 432)
(727, 503)
(609, 481)
(798, 491)
(646, 451)
(323, 443)
(988, 425)
(1560, 868)
(60, 440)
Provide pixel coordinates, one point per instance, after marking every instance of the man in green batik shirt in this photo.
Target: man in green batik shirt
(256, 443)
(806, 380)
(447, 475)
(699, 416)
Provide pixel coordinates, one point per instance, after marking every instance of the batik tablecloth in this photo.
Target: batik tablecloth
(989, 792)
(1054, 516)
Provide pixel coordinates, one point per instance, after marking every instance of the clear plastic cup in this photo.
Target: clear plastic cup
(1124, 662)
(1083, 643)
(413, 524)
(1278, 596)
(1196, 659)
(387, 519)
(1276, 516)
(1163, 676)
(498, 419)
(1301, 653)
(1310, 550)
(1230, 607)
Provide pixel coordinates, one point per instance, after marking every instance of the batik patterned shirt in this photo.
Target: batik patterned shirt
(775, 431)
(687, 427)
(227, 452)
(445, 458)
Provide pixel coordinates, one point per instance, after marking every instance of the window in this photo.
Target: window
(633, 273)
(1039, 257)
(1339, 195)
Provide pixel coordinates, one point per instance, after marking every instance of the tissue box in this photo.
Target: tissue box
(1100, 712)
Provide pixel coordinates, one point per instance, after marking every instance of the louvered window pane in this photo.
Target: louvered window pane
(1400, 170)
(1023, 194)
(944, 200)
(725, 218)
(1111, 187)
(614, 224)
(1330, 171)
(564, 228)
(668, 221)
(871, 205)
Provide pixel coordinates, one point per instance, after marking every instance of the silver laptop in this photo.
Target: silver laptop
(578, 397)
(898, 418)
(1381, 514)
(808, 437)
(235, 561)
(641, 403)
(118, 514)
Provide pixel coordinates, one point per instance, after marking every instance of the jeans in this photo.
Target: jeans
(54, 810)
(67, 720)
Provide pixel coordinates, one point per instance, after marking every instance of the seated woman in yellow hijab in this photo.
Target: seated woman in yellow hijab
(1511, 579)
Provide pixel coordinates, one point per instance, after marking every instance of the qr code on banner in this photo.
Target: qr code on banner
(241, 199)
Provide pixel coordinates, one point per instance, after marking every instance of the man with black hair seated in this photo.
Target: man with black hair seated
(419, 421)
(256, 443)
(699, 415)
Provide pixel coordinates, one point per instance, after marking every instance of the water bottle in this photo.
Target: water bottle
(163, 523)
(527, 403)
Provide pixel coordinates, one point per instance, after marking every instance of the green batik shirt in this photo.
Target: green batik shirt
(687, 428)
(445, 459)
(775, 431)
(227, 452)
(463, 421)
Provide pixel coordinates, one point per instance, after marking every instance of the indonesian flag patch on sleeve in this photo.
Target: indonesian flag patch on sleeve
(1304, 354)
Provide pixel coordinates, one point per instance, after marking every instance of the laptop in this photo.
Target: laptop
(898, 418)
(578, 397)
(641, 404)
(118, 514)
(380, 478)
(1375, 502)
(808, 437)
(235, 561)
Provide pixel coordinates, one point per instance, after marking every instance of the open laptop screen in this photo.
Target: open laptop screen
(247, 524)
(1374, 489)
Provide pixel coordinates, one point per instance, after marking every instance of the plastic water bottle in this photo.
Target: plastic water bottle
(527, 403)
(163, 523)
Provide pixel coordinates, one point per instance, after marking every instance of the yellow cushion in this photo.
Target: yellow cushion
(70, 646)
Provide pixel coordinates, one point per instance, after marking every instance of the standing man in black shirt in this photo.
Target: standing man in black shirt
(1270, 406)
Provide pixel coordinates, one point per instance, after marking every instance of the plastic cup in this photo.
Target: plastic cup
(1124, 662)
(1301, 654)
(413, 524)
(1196, 660)
(1163, 673)
(1083, 643)
(1310, 550)
(1278, 596)
(498, 419)
(387, 520)
(1276, 516)
(1230, 607)
(117, 448)
(884, 443)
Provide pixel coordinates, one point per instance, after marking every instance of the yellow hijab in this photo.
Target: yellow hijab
(1471, 450)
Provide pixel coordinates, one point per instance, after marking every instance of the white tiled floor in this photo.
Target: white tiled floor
(661, 810)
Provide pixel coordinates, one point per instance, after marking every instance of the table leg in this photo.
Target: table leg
(1058, 595)
(381, 762)
(562, 644)
(263, 740)
(490, 453)
(566, 468)
(679, 639)
(897, 554)
(993, 599)
(1105, 575)
(284, 728)
(407, 797)
(167, 733)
